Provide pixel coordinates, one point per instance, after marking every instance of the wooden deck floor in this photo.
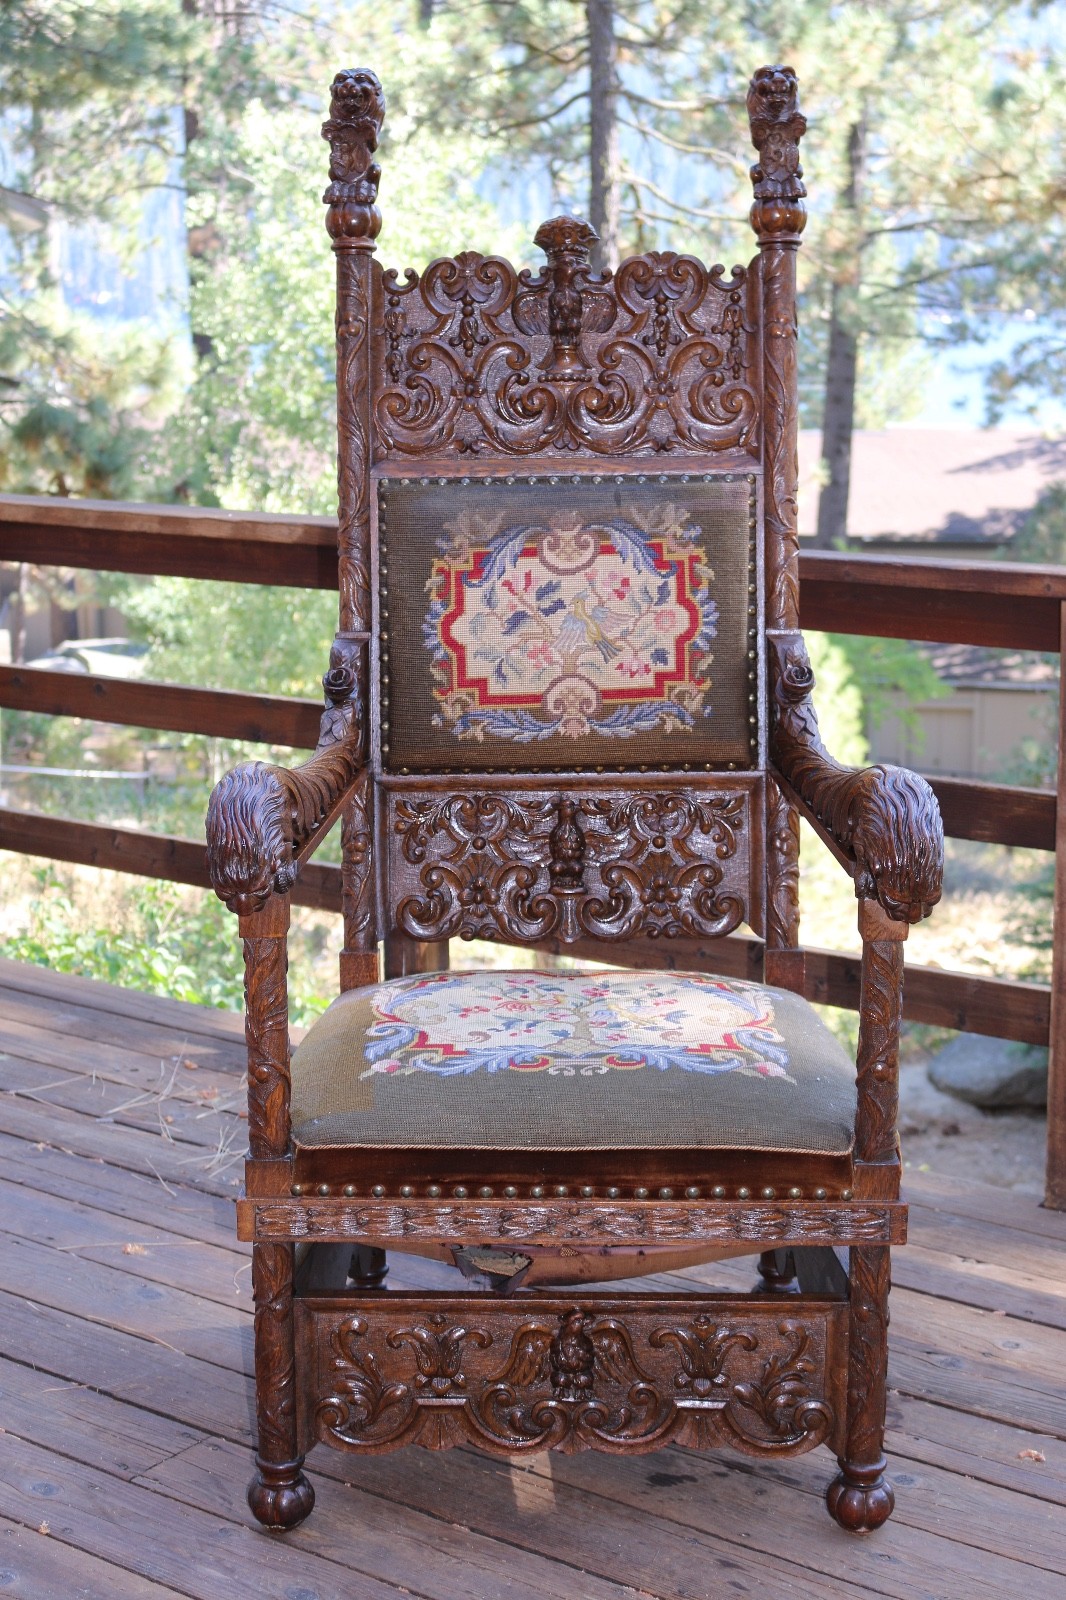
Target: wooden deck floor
(125, 1400)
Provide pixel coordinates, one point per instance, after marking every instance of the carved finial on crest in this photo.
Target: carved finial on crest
(356, 112)
(777, 126)
(571, 304)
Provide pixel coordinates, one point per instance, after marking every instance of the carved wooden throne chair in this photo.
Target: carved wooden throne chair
(569, 707)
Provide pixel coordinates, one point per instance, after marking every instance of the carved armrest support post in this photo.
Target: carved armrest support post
(262, 824)
(882, 823)
(880, 1015)
(266, 1027)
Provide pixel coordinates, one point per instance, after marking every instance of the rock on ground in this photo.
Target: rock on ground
(992, 1073)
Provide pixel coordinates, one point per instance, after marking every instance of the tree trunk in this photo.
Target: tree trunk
(604, 197)
(838, 422)
(842, 366)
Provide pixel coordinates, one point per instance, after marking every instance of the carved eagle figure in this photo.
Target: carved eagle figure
(571, 1356)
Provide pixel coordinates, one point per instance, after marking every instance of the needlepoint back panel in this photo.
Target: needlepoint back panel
(539, 622)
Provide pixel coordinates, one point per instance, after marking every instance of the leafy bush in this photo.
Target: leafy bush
(167, 943)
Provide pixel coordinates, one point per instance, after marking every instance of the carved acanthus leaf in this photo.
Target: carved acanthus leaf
(574, 1377)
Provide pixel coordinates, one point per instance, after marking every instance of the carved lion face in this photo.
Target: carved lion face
(773, 94)
(356, 95)
(899, 846)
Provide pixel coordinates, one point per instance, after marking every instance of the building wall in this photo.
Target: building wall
(969, 733)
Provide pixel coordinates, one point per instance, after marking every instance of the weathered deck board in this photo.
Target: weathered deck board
(126, 1401)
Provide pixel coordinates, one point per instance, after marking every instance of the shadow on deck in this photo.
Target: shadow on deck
(126, 1400)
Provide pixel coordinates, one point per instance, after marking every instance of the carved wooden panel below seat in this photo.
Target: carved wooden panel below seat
(578, 863)
(595, 1373)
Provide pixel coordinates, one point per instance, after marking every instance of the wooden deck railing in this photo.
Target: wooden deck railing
(1020, 607)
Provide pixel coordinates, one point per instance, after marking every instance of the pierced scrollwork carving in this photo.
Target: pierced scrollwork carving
(527, 866)
(261, 818)
(884, 821)
(605, 1375)
(479, 357)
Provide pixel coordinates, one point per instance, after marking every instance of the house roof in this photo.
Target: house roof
(973, 666)
(936, 485)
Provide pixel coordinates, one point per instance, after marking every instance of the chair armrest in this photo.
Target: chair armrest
(264, 821)
(882, 822)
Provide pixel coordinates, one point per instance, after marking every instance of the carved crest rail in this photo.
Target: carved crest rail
(479, 358)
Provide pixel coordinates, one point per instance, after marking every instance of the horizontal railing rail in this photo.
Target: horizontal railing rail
(994, 604)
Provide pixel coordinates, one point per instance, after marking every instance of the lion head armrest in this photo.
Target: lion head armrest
(882, 821)
(264, 821)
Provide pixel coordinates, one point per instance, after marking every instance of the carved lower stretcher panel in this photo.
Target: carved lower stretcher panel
(599, 1373)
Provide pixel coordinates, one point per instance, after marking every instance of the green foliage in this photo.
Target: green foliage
(244, 636)
(163, 945)
(838, 700)
(891, 676)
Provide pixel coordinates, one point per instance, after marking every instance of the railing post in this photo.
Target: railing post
(1055, 1191)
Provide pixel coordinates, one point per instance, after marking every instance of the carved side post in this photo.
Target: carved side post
(778, 216)
(280, 1496)
(880, 1015)
(357, 109)
(266, 1026)
(860, 1497)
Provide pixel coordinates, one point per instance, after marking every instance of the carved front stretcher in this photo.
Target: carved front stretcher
(579, 862)
(554, 1373)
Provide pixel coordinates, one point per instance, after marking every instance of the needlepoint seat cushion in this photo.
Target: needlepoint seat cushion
(567, 1061)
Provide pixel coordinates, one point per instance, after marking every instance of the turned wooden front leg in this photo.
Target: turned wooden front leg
(860, 1498)
(279, 1495)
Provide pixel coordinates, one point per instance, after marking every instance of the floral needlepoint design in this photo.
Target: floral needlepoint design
(572, 627)
(574, 1024)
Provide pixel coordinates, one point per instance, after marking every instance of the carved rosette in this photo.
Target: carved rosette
(510, 1376)
(481, 358)
(528, 866)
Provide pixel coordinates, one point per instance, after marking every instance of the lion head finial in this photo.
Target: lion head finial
(777, 126)
(356, 112)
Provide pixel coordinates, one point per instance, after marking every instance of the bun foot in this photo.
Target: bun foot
(279, 1495)
(860, 1499)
